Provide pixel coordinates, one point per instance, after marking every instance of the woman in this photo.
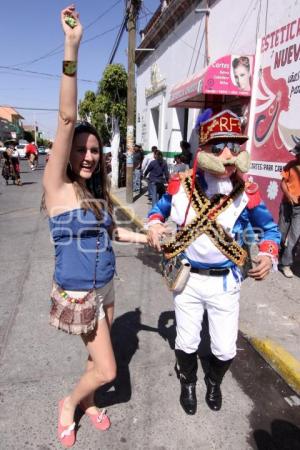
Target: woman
(158, 176)
(78, 205)
(241, 72)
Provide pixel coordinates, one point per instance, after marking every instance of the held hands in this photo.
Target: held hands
(262, 267)
(155, 234)
(71, 24)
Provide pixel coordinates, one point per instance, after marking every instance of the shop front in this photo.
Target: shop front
(225, 84)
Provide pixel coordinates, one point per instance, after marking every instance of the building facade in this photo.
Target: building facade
(187, 38)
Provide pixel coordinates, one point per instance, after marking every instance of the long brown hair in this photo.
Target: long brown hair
(97, 187)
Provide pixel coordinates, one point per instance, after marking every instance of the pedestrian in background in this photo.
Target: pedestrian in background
(80, 219)
(137, 168)
(180, 165)
(289, 215)
(148, 158)
(32, 155)
(186, 152)
(11, 165)
(146, 161)
(158, 176)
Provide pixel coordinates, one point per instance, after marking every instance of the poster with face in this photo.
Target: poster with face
(241, 70)
(276, 125)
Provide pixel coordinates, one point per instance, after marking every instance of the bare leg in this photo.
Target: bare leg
(101, 371)
(109, 314)
(89, 402)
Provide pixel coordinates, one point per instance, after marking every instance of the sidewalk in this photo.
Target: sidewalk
(269, 312)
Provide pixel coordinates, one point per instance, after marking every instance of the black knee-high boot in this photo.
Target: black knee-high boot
(186, 369)
(213, 380)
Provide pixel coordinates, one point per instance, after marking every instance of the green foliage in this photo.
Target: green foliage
(29, 136)
(109, 101)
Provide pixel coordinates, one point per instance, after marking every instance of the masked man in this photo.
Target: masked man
(214, 210)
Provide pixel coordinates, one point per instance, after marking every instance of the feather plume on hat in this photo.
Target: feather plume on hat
(203, 116)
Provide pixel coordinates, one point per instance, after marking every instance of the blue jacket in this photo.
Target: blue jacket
(158, 171)
(255, 216)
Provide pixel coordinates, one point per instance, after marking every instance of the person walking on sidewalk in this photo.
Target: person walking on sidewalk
(148, 158)
(180, 165)
(79, 209)
(289, 214)
(146, 161)
(212, 207)
(158, 176)
(137, 168)
(186, 152)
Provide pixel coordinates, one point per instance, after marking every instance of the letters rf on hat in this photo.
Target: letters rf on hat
(223, 126)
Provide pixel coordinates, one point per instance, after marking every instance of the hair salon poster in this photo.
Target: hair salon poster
(276, 110)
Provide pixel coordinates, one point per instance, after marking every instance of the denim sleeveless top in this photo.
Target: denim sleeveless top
(76, 235)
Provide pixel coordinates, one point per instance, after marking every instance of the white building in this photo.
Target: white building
(199, 49)
(188, 35)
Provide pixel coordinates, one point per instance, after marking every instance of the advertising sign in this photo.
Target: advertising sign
(276, 112)
(229, 75)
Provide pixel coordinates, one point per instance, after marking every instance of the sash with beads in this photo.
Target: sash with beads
(207, 211)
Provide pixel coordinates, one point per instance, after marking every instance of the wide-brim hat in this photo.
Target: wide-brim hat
(296, 149)
(223, 126)
(10, 142)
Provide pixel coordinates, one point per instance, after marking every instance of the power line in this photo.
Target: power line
(32, 72)
(242, 22)
(118, 39)
(102, 15)
(54, 51)
(30, 108)
(50, 75)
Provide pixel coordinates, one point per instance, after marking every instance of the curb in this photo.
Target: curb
(128, 211)
(282, 361)
(285, 364)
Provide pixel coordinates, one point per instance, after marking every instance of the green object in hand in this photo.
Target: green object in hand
(70, 21)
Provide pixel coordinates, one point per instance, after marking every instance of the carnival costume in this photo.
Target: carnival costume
(215, 214)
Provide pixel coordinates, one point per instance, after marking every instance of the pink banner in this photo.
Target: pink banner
(229, 75)
(276, 127)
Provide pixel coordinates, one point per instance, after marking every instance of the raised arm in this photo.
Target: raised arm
(55, 172)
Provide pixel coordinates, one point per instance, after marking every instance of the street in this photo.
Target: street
(39, 365)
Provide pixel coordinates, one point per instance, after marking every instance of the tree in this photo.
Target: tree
(107, 108)
(28, 135)
(86, 106)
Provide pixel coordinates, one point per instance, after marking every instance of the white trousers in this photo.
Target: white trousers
(220, 297)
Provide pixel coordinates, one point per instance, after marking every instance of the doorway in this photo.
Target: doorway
(154, 127)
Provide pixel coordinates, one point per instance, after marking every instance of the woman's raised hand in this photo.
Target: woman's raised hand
(73, 30)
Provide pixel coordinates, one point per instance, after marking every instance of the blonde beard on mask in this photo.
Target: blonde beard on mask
(211, 163)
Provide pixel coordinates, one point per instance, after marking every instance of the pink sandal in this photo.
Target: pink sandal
(100, 421)
(65, 433)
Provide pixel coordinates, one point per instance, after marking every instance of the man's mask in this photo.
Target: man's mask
(214, 164)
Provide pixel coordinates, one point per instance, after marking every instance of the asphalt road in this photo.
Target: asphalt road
(40, 365)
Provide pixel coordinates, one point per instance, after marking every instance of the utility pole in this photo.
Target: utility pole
(35, 132)
(133, 7)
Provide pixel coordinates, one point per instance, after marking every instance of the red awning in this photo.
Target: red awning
(229, 75)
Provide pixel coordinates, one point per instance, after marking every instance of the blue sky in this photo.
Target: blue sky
(31, 30)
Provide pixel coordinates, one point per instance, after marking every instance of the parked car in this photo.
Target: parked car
(42, 150)
(21, 148)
